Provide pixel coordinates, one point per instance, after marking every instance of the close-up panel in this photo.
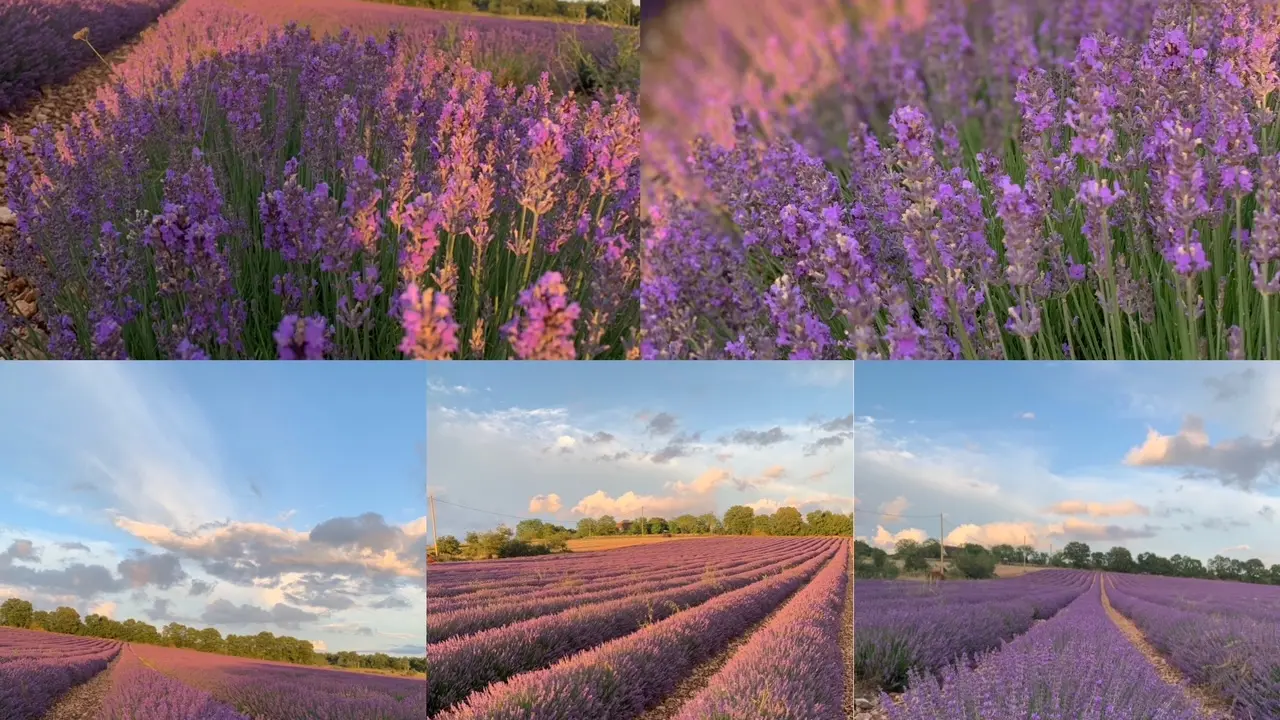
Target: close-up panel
(954, 179)
(640, 541)
(197, 541)
(1066, 540)
(308, 179)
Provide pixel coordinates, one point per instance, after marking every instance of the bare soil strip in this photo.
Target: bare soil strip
(1212, 706)
(846, 642)
(700, 677)
(84, 701)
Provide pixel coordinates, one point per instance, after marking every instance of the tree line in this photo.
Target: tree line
(617, 12)
(977, 561)
(19, 613)
(536, 537)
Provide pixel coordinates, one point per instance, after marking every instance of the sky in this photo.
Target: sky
(286, 497)
(1156, 457)
(563, 441)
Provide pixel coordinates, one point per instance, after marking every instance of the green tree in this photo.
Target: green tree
(975, 565)
(586, 527)
(738, 520)
(762, 525)
(685, 524)
(1098, 560)
(65, 620)
(531, 529)
(787, 521)
(15, 612)
(711, 524)
(1006, 553)
(448, 545)
(1120, 560)
(1077, 555)
(606, 525)
(657, 526)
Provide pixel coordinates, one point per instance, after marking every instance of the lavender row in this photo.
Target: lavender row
(277, 691)
(1231, 653)
(1259, 602)
(458, 666)
(454, 575)
(1077, 665)
(892, 638)
(791, 668)
(442, 626)
(593, 566)
(621, 679)
(479, 613)
(139, 692)
(30, 686)
(37, 46)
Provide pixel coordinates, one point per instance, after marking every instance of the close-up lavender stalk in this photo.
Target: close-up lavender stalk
(333, 180)
(941, 179)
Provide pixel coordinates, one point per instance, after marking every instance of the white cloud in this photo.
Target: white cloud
(105, 609)
(545, 503)
(1028, 416)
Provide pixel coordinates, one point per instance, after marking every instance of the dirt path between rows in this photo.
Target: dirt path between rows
(1212, 707)
(701, 676)
(84, 701)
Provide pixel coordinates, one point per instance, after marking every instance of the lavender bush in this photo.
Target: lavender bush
(790, 669)
(279, 194)
(1014, 179)
(37, 668)
(1211, 631)
(139, 692)
(903, 627)
(447, 592)
(277, 691)
(1076, 665)
(480, 613)
(623, 678)
(37, 47)
(461, 665)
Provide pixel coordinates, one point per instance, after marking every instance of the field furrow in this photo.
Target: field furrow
(620, 679)
(589, 578)
(790, 669)
(462, 665)
(1077, 664)
(444, 625)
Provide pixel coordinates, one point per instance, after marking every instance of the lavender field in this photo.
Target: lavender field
(706, 628)
(1005, 179)
(145, 682)
(1055, 644)
(331, 179)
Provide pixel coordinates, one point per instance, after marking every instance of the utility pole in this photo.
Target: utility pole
(942, 555)
(1024, 551)
(435, 544)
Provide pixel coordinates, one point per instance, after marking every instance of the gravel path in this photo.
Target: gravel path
(1212, 706)
(83, 701)
(702, 675)
(55, 105)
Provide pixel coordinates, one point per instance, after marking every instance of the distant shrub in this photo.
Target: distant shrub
(976, 566)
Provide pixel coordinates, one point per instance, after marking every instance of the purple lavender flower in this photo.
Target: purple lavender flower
(302, 338)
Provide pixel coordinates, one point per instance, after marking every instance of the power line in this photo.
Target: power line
(491, 512)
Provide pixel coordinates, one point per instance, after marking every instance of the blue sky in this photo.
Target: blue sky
(561, 441)
(1161, 457)
(286, 497)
